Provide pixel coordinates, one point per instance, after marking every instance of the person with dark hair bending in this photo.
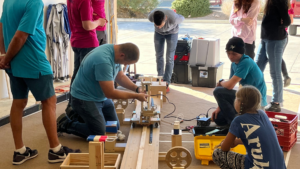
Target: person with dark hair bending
(166, 23)
(93, 89)
(253, 129)
(273, 41)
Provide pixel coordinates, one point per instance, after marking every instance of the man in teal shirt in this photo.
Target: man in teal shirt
(244, 71)
(93, 88)
(23, 41)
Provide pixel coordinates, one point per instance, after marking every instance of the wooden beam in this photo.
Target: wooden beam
(96, 155)
(141, 149)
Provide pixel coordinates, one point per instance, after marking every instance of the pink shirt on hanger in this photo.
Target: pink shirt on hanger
(239, 28)
(99, 10)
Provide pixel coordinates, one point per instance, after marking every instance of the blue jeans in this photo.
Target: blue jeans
(271, 51)
(79, 54)
(225, 99)
(159, 41)
(95, 116)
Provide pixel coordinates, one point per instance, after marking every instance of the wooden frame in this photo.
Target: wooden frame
(95, 159)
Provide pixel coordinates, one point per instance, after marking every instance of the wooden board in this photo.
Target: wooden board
(139, 154)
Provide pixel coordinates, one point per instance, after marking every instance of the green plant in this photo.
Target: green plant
(192, 8)
(137, 7)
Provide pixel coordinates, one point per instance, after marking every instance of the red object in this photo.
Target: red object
(174, 10)
(184, 58)
(286, 129)
(62, 89)
(168, 89)
(296, 6)
(102, 138)
(215, 2)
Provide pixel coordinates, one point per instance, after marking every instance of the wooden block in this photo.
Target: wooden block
(141, 149)
(176, 140)
(120, 147)
(110, 144)
(110, 135)
(162, 156)
(127, 121)
(120, 114)
(96, 155)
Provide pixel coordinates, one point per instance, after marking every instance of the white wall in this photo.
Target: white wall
(3, 84)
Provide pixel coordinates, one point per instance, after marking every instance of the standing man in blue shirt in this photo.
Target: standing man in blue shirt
(23, 41)
(244, 71)
(166, 23)
(93, 88)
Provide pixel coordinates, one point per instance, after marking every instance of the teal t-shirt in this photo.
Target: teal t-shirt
(98, 65)
(250, 73)
(26, 16)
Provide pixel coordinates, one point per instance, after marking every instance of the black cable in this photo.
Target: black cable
(169, 115)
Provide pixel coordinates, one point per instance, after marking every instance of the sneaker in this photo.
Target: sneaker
(21, 158)
(287, 81)
(61, 123)
(120, 135)
(168, 89)
(273, 107)
(60, 155)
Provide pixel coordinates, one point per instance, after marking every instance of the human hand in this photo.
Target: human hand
(215, 114)
(3, 63)
(142, 97)
(101, 22)
(248, 21)
(220, 145)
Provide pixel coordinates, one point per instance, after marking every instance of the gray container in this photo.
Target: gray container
(206, 76)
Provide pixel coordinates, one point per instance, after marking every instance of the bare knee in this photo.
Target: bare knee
(19, 103)
(51, 101)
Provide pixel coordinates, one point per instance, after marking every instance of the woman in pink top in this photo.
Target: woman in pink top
(99, 12)
(244, 21)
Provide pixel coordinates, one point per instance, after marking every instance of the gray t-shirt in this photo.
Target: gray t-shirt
(173, 20)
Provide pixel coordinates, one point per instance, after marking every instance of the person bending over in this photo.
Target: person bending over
(253, 129)
(93, 89)
(244, 71)
(166, 23)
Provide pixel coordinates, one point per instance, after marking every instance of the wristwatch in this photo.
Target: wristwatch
(137, 89)
(221, 80)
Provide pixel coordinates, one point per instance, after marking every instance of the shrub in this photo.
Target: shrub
(136, 8)
(192, 8)
(227, 6)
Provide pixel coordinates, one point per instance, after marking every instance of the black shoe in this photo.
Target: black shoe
(21, 158)
(61, 123)
(273, 107)
(60, 155)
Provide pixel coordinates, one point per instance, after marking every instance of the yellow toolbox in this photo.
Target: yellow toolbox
(204, 145)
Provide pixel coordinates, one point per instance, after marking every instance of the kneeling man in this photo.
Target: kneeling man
(93, 89)
(244, 71)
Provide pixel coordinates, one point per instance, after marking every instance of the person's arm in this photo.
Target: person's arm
(15, 46)
(2, 47)
(228, 142)
(251, 15)
(282, 8)
(292, 18)
(86, 16)
(150, 16)
(124, 81)
(234, 19)
(110, 92)
(27, 26)
(231, 82)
